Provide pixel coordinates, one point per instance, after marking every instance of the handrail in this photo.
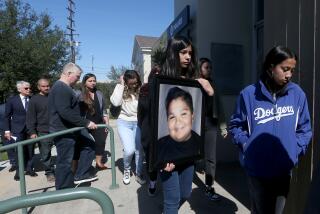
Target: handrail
(114, 184)
(20, 145)
(59, 196)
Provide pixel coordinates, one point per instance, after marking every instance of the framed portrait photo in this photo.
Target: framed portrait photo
(178, 122)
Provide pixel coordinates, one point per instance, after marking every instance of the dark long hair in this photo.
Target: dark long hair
(203, 60)
(274, 57)
(86, 95)
(171, 66)
(131, 74)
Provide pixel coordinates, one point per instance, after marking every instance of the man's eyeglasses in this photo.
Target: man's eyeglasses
(26, 88)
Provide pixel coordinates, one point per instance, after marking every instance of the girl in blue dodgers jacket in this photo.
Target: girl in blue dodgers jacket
(271, 126)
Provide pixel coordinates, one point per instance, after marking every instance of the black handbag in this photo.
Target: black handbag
(115, 110)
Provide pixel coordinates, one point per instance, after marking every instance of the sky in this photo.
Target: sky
(107, 28)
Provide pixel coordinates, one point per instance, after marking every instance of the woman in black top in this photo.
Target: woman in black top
(214, 120)
(180, 62)
(92, 106)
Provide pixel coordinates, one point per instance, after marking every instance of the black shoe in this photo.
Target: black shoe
(16, 177)
(85, 179)
(13, 168)
(211, 194)
(93, 171)
(152, 189)
(31, 173)
(100, 168)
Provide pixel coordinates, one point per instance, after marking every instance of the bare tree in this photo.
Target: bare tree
(115, 72)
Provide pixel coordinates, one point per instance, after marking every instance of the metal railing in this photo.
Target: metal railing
(20, 145)
(59, 196)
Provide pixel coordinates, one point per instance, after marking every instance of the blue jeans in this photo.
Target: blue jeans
(177, 186)
(130, 138)
(65, 151)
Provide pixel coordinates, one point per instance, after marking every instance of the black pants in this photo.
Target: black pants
(313, 205)
(100, 137)
(11, 152)
(28, 152)
(210, 147)
(264, 192)
(153, 174)
(45, 147)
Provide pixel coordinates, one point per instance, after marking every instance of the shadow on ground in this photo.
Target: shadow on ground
(37, 164)
(3, 165)
(149, 204)
(199, 203)
(202, 205)
(233, 179)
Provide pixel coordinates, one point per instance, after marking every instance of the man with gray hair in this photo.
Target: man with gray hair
(64, 113)
(15, 127)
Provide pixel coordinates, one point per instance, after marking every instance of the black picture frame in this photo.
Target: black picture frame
(160, 131)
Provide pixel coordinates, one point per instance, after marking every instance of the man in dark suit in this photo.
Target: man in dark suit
(15, 127)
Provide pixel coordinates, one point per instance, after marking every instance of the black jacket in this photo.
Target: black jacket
(15, 115)
(64, 111)
(37, 115)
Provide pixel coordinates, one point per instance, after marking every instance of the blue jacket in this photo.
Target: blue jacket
(271, 130)
(15, 115)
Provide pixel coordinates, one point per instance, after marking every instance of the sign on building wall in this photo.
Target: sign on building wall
(180, 22)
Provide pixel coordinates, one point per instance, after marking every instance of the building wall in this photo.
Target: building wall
(146, 65)
(295, 24)
(222, 22)
(142, 62)
(219, 21)
(138, 63)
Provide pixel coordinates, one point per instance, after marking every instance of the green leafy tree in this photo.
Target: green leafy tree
(106, 89)
(158, 56)
(30, 46)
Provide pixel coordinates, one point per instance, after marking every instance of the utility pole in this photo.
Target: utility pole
(92, 58)
(70, 27)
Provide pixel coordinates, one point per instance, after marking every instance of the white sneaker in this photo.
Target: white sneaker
(126, 177)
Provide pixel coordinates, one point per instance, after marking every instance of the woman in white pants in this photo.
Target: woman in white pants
(125, 95)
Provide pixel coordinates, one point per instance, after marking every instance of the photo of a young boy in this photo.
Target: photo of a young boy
(182, 142)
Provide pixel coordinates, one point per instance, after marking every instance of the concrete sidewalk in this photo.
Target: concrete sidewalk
(133, 198)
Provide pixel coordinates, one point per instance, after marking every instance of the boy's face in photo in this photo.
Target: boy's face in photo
(179, 120)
